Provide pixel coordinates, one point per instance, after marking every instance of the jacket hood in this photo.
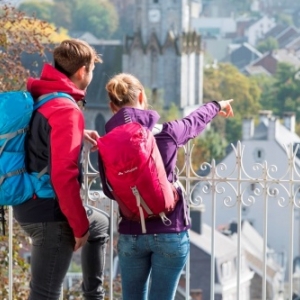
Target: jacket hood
(147, 118)
(51, 80)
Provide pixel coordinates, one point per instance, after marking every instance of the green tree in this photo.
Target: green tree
(226, 82)
(210, 145)
(267, 45)
(284, 19)
(283, 93)
(62, 13)
(265, 83)
(126, 18)
(19, 35)
(97, 16)
(38, 9)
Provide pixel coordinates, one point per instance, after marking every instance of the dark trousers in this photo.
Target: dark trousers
(52, 250)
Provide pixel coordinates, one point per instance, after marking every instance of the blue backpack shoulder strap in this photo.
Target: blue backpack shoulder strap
(45, 98)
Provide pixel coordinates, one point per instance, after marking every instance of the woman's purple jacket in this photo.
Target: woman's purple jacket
(174, 134)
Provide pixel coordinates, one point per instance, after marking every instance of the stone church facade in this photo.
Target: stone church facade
(163, 52)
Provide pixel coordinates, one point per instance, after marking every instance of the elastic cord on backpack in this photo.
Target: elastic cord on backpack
(164, 219)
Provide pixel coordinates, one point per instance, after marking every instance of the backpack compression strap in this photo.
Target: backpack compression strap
(9, 136)
(13, 173)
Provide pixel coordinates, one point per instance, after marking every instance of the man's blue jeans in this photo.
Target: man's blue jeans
(52, 250)
(161, 255)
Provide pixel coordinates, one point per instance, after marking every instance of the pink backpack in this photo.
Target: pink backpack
(132, 173)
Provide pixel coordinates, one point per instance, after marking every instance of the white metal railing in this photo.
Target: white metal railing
(226, 185)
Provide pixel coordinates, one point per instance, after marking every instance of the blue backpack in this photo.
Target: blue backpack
(16, 185)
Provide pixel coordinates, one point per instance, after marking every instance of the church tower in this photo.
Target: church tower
(165, 52)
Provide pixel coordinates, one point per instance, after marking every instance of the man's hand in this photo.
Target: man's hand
(91, 136)
(79, 242)
(226, 109)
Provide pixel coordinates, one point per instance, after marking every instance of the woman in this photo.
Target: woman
(163, 250)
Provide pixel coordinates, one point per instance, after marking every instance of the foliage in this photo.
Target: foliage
(19, 35)
(213, 146)
(20, 266)
(226, 82)
(207, 146)
(267, 45)
(75, 292)
(284, 19)
(40, 9)
(157, 103)
(74, 267)
(282, 93)
(126, 18)
(96, 16)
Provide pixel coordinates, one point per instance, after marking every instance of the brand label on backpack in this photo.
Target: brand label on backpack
(128, 171)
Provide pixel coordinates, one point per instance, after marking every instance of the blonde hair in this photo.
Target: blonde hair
(124, 89)
(70, 55)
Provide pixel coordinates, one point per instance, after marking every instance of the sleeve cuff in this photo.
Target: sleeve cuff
(217, 104)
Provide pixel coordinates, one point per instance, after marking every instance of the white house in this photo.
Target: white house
(225, 258)
(252, 245)
(258, 29)
(264, 188)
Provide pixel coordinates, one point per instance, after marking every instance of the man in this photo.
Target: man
(60, 224)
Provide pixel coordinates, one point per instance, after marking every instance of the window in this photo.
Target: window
(259, 154)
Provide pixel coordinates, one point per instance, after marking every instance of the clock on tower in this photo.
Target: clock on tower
(154, 15)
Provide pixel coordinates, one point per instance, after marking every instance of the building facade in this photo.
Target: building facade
(165, 52)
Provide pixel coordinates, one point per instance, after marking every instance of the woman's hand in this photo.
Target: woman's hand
(91, 136)
(226, 109)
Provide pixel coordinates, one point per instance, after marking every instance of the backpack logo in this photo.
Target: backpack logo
(128, 171)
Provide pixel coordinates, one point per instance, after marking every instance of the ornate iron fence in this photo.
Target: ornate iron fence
(232, 187)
